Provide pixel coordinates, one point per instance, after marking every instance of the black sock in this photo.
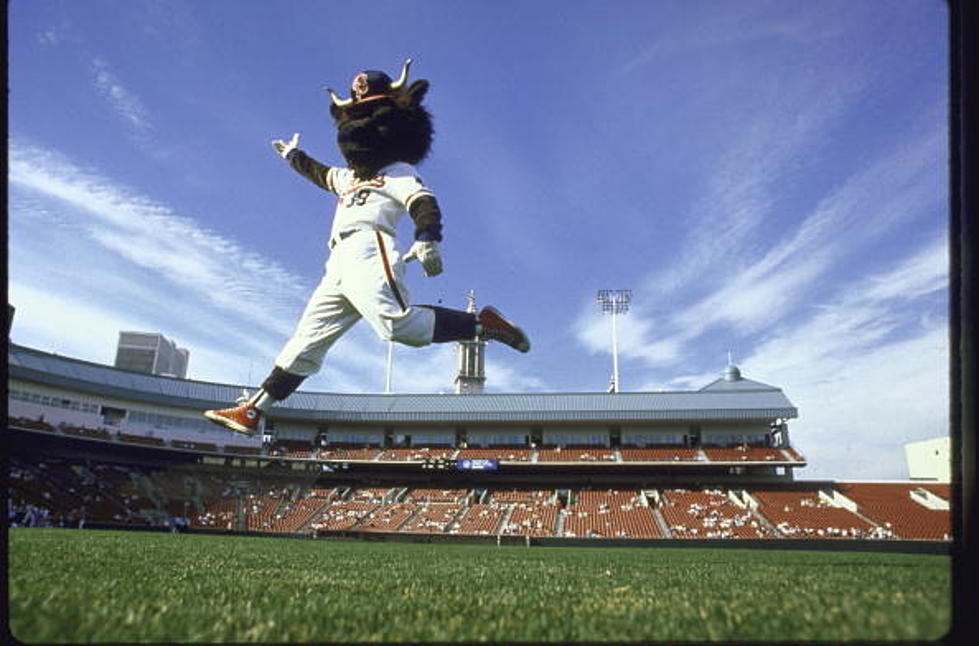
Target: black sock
(452, 325)
(280, 384)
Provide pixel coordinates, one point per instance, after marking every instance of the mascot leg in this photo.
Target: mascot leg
(489, 324)
(326, 317)
(455, 325)
(452, 325)
(245, 416)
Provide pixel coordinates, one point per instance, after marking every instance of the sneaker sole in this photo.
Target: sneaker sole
(228, 423)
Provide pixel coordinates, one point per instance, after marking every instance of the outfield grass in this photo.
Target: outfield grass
(96, 586)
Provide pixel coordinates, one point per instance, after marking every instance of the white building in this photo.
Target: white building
(151, 354)
(929, 459)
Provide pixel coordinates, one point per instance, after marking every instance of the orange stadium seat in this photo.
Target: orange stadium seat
(802, 514)
(709, 513)
(891, 505)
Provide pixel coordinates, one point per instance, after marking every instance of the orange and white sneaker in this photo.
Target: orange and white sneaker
(243, 418)
(497, 328)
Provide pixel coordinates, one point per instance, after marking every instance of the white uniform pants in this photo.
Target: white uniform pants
(364, 279)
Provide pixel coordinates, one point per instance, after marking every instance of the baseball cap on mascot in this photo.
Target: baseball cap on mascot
(371, 85)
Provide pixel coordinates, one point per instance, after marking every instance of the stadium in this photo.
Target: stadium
(713, 463)
(95, 447)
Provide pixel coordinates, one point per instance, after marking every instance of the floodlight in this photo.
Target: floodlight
(614, 301)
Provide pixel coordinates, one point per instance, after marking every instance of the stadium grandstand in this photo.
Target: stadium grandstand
(98, 446)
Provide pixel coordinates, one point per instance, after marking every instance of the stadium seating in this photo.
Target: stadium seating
(478, 519)
(348, 452)
(610, 514)
(418, 454)
(709, 513)
(260, 509)
(503, 454)
(45, 488)
(388, 518)
(297, 510)
(891, 505)
(219, 514)
(543, 496)
(803, 514)
(58, 491)
(346, 511)
(659, 454)
(436, 495)
(83, 431)
(575, 454)
(342, 515)
(526, 512)
(943, 491)
(528, 519)
(293, 449)
(744, 454)
(35, 424)
(433, 518)
(141, 439)
(72, 491)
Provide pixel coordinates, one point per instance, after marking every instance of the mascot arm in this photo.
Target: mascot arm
(311, 169)
(424, 211)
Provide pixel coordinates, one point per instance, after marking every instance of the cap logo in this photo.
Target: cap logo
(360, 87)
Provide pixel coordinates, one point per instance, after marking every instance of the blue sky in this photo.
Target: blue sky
(769, 179)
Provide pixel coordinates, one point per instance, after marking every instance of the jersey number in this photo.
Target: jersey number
(358, 199)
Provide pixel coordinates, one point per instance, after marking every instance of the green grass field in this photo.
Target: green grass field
(96, 586)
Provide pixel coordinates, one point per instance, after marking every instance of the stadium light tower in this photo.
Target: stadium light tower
(615, 302)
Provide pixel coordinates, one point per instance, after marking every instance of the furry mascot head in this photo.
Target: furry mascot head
(382, 122)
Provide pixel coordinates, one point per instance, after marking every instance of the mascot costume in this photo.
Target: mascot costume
(383, 131)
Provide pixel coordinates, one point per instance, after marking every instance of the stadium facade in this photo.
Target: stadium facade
(710, 463)
(729, 412)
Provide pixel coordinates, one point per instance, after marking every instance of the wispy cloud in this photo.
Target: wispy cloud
(131, 254)
(863, 315)
(734, 26)
(50, 37)
(123, 101)
(745, 186)
(57, 32)
(150, 235)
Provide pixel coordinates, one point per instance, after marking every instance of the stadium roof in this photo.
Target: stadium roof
(730, 398)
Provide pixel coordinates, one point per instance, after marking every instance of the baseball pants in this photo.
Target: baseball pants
(364, 278)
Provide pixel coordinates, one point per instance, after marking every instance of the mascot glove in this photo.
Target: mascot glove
(286, 147)
(427, 253)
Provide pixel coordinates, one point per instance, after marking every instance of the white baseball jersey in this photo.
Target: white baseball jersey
(364, 274)
(377, 203)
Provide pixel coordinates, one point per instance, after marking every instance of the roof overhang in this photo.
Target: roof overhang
(764, 403)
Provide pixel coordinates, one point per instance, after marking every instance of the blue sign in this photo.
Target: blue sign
(477, 465)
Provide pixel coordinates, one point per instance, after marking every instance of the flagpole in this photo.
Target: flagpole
(387, 381)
